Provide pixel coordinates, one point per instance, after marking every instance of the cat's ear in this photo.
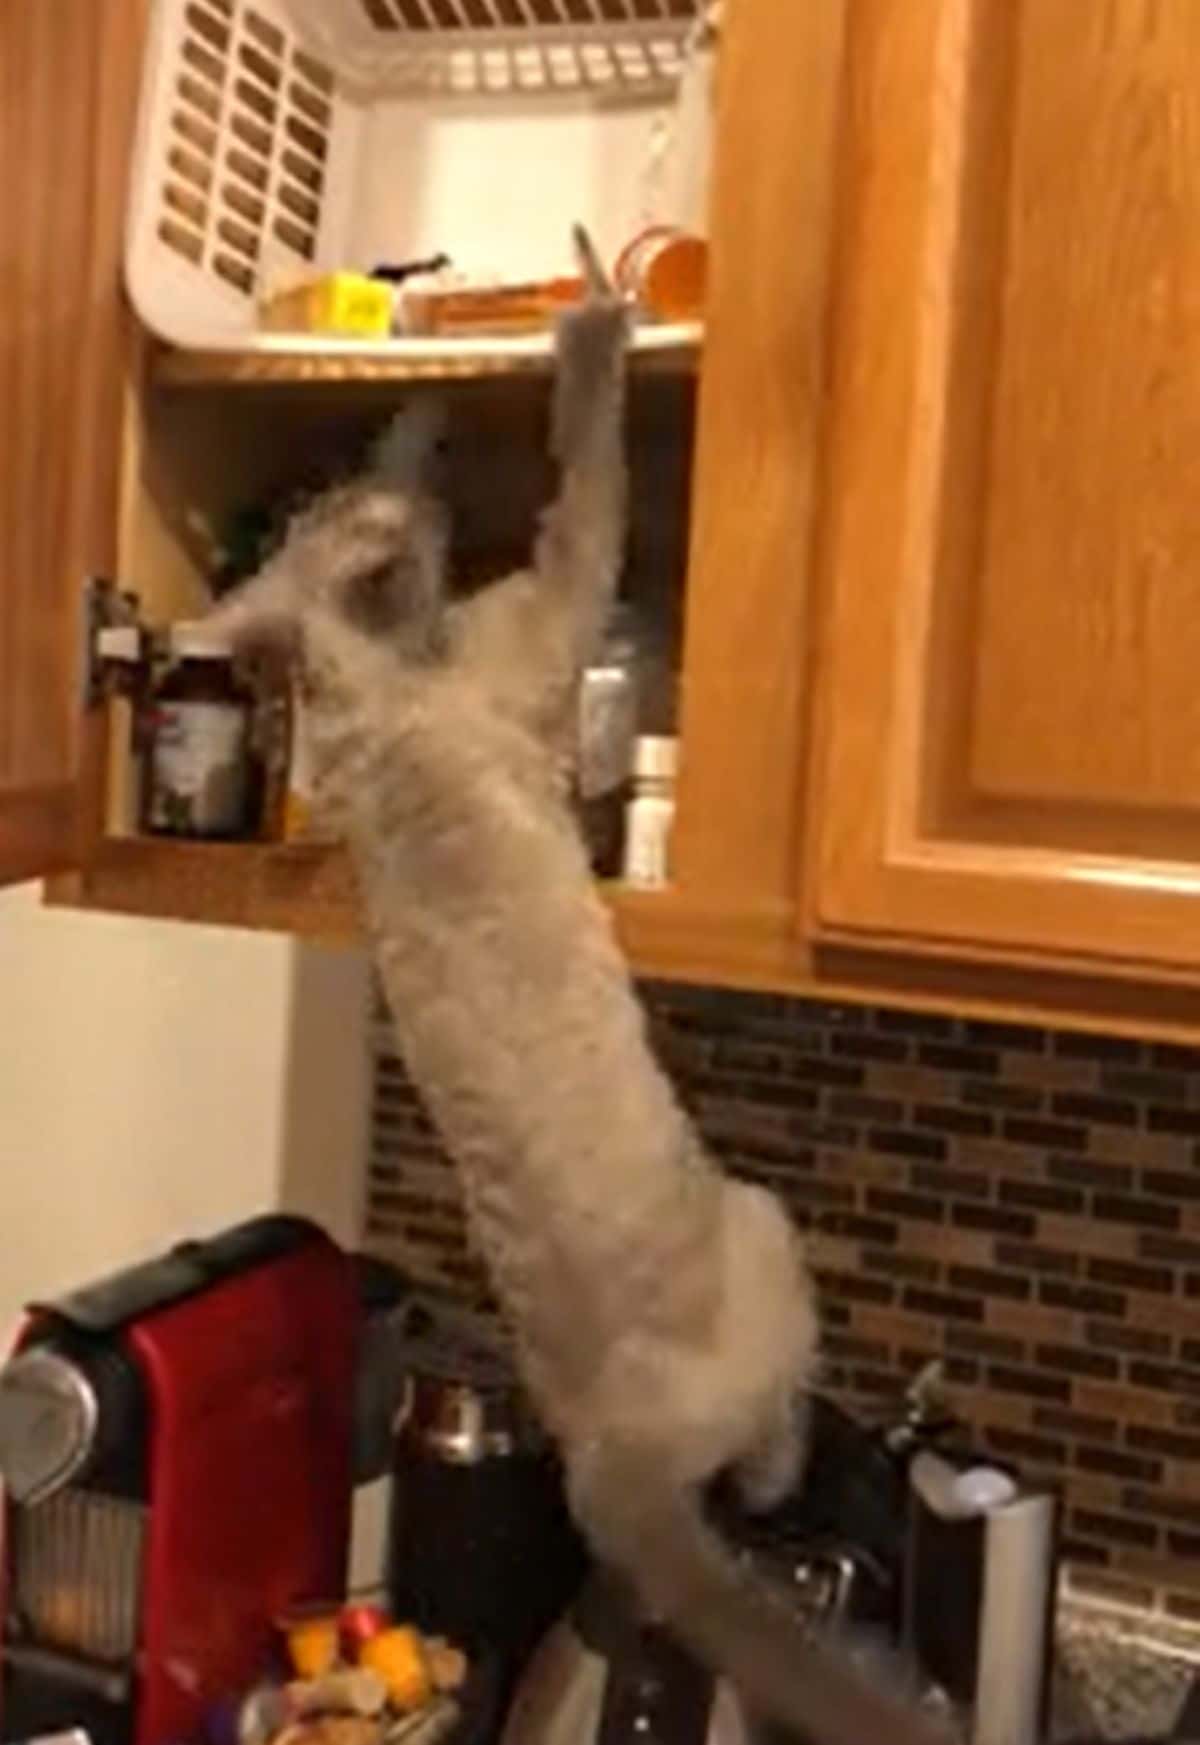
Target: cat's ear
(402, 458)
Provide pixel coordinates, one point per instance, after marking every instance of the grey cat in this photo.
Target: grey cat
(663, 1313)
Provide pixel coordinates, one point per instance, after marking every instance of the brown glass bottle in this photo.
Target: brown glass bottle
(201, 774)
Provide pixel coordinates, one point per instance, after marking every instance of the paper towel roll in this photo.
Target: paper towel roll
(1015, 1622)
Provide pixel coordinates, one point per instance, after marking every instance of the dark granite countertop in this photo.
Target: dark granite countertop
(1121, 1674)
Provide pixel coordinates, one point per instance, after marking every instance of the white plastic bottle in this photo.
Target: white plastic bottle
(651, 813)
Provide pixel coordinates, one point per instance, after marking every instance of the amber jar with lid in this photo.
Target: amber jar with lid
(664, 271)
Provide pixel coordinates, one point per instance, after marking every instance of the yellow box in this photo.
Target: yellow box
(344, 304)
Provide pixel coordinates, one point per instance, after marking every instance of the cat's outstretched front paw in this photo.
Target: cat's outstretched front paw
(599, 324)
(591, 346)
(599, 285)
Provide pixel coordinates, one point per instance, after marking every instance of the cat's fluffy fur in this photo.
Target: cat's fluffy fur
(663, 1312)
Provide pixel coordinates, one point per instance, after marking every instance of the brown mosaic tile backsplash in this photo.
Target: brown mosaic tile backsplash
(1023, 1203)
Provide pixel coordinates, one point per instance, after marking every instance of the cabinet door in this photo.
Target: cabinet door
(1011, 694)
(67, 83)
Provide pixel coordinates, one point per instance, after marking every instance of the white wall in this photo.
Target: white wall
(158, 1081)
(498, 182)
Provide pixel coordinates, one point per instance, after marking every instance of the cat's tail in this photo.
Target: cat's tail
(728, 1617)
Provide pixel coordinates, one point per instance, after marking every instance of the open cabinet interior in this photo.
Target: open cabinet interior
(580, 117)
(199, 463)
(210, 478)
(280, 143)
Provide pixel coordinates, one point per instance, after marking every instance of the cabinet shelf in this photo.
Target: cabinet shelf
(301, 359)
(272, 887)
(303, 889)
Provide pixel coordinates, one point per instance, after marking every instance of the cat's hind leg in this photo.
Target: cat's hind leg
(772, 1468)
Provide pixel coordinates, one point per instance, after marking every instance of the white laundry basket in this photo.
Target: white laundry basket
(279, 136)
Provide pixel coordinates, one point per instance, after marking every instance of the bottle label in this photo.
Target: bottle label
(200, 769)
(648, 843)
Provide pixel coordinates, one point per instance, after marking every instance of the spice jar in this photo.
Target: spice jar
(651, 813)
(200, 762)
(664, 271)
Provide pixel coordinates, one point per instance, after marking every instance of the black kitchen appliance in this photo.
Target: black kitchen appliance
(842, 1551)
(482, 1547)
(607, 1675)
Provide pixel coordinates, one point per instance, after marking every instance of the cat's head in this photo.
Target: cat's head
(369, 554)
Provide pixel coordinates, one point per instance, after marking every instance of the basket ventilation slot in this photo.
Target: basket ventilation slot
(250, 130)
(492, 47)
(509, 15)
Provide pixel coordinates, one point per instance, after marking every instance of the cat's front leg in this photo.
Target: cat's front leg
(581, 547)
(525, 640)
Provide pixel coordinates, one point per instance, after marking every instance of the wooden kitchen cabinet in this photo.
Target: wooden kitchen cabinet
(67, 88)
(1010, 766)
(120, 442)
(938, 717)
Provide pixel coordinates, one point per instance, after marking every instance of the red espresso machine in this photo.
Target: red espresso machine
(175, 1452)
